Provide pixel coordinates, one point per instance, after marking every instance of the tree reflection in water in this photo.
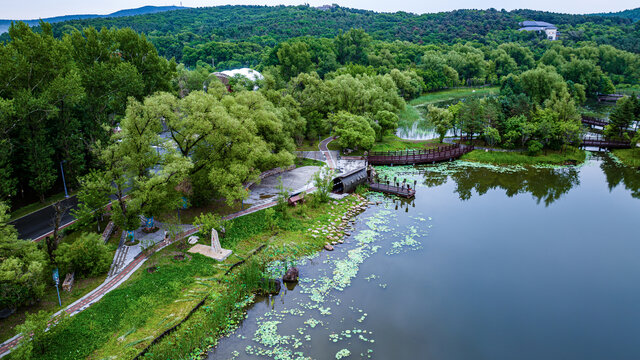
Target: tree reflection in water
(617, 173)
(544, 184)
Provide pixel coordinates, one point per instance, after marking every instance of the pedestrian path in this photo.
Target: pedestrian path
(327, 154)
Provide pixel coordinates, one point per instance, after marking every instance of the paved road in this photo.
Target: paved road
(39, 223)
(323, 147)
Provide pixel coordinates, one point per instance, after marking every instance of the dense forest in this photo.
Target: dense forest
(252, 28)
(325, 70)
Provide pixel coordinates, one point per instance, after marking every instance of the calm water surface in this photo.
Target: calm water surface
(483, 264)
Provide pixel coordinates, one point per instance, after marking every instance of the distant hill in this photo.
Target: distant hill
(4, 24)
(633, 14)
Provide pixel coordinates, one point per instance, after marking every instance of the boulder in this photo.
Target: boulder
(291, 275)
(328, 247)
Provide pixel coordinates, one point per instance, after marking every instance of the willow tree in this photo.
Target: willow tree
(230, 139)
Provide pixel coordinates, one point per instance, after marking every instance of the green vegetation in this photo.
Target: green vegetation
(241, 33)
(87, 255)
(394, 143)
(454, 94)
(122, 118)
(174, 287)
(569, 157)
(300, 162)
(629, 157)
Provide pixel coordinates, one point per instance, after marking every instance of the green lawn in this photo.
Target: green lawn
(391, 143)
(453, 94)
(629, 157)
(571, 156)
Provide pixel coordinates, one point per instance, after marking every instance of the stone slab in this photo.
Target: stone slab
(209, 252)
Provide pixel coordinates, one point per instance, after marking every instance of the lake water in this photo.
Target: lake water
(485, 263)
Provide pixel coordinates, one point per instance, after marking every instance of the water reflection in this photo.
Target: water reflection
(617, 174)
(544, 184)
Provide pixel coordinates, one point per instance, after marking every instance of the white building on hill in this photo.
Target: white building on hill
(539, 26)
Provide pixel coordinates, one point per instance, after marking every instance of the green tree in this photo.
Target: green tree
(86, 256)
(472, 117)
(442, 120)
(352, 46)
(92, 197)
(354, 131)
(409, 84)
(37, 337)
(387, 121)
(294, 58)
(621, 117)
(22, 266)
(539, 83)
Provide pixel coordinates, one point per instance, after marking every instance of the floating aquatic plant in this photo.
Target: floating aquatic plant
(342, 353)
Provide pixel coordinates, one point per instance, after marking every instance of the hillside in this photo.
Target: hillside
(240, 35)
(633, 14)
(4, 23)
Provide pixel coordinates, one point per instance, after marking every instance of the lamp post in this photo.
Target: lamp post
(66, 194)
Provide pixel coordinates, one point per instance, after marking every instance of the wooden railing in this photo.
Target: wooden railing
(409, 157)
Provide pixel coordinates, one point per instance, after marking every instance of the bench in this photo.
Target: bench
(294, 200)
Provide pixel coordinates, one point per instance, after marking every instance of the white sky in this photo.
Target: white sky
(33, 9)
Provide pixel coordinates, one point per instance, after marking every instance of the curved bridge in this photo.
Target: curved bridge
(410, 157)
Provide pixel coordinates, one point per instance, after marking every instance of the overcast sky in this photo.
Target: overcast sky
(33, 9)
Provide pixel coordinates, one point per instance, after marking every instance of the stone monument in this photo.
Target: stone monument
(215, 251)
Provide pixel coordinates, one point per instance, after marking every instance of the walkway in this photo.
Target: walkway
(327, 154)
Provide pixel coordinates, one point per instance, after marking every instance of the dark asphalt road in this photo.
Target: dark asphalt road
(40, 222)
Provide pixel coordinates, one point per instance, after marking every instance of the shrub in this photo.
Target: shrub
(535, 147)
(323, 181)
(210, 221)
(87, 255)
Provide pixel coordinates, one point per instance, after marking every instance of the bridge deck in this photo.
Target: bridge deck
(605, 144)
(443, 153)
(588, 120)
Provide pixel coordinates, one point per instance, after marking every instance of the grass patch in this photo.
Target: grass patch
(569, 157)
(150, 303)
(28, 209)
(408, 116)
(629, 157)
(453, 94)
(392, 143)
(300, 162)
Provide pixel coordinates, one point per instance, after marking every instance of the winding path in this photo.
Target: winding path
(327, 154)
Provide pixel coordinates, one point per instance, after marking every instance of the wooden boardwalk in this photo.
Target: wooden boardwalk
(394, 190)
(411, 157)
(588, 120)
(605, 144)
